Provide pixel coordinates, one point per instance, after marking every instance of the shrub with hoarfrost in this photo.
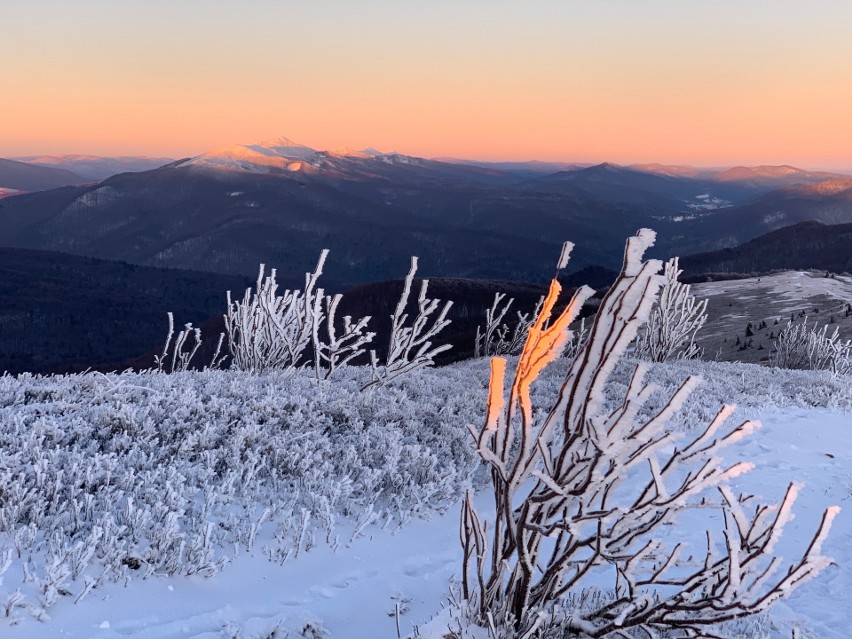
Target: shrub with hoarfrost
(804, 347)
(582, 491)
(673, 322)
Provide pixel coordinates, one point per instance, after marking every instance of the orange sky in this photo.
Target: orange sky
(621, 80)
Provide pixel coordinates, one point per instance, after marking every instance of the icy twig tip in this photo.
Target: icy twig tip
(565, 255)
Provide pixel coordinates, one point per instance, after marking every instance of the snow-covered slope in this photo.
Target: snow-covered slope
(222, 504)
(279, 154)
(282, 156)
(767, 303)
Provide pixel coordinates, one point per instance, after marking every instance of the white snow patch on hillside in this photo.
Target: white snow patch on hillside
(786, 289)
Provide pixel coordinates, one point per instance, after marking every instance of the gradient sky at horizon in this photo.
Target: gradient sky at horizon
(695, 81)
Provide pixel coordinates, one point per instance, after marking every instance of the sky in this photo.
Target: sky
(677, 81)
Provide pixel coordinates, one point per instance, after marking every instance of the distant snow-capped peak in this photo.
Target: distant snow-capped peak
(242, 157)
(276, 154)
(346, 152)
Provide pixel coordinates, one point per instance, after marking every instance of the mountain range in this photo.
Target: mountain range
(280, 202)
(91, 266)
(44, 172)
(18, 177)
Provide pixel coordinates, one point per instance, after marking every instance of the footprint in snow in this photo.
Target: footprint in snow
(351, 578)
(425, 565)
(323, 591)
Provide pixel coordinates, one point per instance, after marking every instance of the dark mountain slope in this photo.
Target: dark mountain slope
(63, 312)
(808, 245)
(614, 183)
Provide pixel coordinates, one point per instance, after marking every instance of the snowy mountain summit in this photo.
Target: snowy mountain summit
(279, 155)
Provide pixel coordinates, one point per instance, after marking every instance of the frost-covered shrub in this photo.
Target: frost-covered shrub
(584, 489)
(178, 356)
(804, 347)
(271, 331)
(267, 330)
(498, 338)
(110, 477)
(674, 321)
(410, 345)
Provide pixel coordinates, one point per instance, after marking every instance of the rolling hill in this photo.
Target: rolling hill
(96, 167)
(20, 176)
(62, 313)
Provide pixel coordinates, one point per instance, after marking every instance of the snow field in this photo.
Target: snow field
(312, 507)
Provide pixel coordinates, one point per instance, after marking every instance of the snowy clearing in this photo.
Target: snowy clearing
(122, 492)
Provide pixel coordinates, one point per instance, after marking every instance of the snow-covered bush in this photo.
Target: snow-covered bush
(584, 489)
(804, 347)
(497, 337)
(673, 322)
(410, 346)
(268, 331)
(110, 477)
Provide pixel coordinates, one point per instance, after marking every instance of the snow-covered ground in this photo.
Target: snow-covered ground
(223, 448)
(786, 289)
(768, 303)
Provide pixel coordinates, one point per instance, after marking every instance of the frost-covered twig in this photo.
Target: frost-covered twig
(337, 350)
(576, 341)
(497, 337)
(218, 356)
(179, 359)
(410, 347)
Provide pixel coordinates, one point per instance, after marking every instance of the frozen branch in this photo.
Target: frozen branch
(497, 337)
(337, 350)
(410, 345)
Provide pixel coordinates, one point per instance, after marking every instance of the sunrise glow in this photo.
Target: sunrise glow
(624, 81)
